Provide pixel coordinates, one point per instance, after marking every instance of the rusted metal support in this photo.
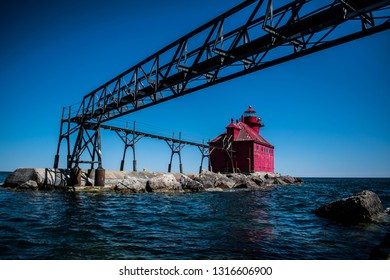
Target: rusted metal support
(88, 140)
(176, 144)
(100, 177)
(132, 146)
(122, 167)
(176, 147)
(204, 150)
(129, 142)
(63, 135)
(75, 177)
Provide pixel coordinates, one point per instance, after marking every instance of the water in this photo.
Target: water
(274, 224)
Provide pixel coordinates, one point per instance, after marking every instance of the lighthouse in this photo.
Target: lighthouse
(241, 148)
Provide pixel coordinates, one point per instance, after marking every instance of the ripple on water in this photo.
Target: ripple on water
(276, 224)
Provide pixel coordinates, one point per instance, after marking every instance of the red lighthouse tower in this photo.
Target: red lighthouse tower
(241, 148)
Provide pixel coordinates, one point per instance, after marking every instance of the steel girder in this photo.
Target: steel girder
(264, 37)
(249, 37)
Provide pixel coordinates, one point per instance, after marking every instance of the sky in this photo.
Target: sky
(327, 114)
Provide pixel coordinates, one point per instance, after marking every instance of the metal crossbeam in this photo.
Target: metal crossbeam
(150, 135)
(249, 37)
(175, 144)
(204, 57)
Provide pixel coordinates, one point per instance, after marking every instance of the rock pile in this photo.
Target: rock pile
(140, 182)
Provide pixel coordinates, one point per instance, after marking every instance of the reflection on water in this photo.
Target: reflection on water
(273, 224)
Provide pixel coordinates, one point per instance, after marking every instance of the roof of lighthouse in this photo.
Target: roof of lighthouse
(245, 134)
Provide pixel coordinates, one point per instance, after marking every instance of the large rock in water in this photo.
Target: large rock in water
(190, 185)
(208, 179)
(163, 183)
(361, 208)
(37, 178)
(131, 184)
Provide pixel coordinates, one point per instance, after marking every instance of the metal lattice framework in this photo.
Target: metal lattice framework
(249, 37)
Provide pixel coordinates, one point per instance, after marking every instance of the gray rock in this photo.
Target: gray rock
(363, 207)
(208, 179)
(289, 179)
(29, 185)
(37, 178)
(163, 183)
(252, 184)
(268, 176)
(131, 185)
(190, 185)
(214, 190)
(258, 180)
(21, 176)
(240, 180)
(224, 182)
(280, 181)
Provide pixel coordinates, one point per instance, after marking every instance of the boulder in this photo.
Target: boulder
(224, 182)
(298, 180)
(252, 184)
(270, 176)
(163, 183)
(258, 180)
(131, 185)
(361, 208)
(29, 185)
(240, 180)
(37, 178)
(291, 180)
(190, 185)
(207, 179)
(280, 181)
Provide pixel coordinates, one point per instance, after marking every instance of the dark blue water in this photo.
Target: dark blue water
(274, 224)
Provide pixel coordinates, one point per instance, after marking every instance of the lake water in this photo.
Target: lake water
(273, 224)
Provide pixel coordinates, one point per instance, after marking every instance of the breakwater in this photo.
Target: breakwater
(141, 182)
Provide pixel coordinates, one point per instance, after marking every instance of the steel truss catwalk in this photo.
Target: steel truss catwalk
(249, 37)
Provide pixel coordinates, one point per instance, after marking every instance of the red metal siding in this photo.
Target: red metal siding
(247, 157)
(243, 156)
(263, 158)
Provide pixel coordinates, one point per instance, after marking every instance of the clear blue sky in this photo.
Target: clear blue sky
(327, 114)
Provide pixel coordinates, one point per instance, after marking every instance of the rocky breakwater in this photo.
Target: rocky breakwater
(142, 182)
